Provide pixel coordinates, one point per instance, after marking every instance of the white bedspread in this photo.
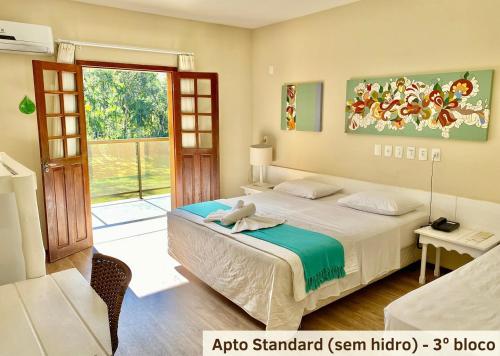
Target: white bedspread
(371, 243)
(465, 299)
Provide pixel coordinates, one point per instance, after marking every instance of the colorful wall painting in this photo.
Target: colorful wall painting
(447, 105)
(291, 108)
(302, 106)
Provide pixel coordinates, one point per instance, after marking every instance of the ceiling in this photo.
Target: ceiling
(240, 13)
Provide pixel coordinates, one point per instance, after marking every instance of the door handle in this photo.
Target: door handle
(46, 167)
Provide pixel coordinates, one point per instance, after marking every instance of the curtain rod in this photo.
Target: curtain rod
(127, 48)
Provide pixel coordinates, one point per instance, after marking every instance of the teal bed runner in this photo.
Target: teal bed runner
(322, 256)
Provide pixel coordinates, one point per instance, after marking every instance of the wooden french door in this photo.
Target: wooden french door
(196, 137)
(63, 154)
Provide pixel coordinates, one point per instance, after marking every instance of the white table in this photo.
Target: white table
(58, 314)
(462, 240)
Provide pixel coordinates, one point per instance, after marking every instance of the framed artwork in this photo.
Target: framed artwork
(447, 105)
(301, 106)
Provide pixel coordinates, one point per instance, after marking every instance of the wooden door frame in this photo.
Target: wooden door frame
(148, 68)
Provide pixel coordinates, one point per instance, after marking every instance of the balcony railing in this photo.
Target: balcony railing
(131, 168)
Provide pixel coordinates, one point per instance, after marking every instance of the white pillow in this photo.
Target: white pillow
(378, 202)
(306, 188)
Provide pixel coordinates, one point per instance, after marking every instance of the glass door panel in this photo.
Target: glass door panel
(52, 104)
(188, 140)
(70, 103)
(68, 81)
(50, 80)
(188, 122)
(204, 86)
(72, 127)
(187, 86)
(56, 149)
(205, 123)
(54, 126)
(205, 105)
(73, 147)
(205, 140)
(187, 105)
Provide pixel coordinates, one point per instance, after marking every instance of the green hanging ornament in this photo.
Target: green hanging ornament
(27, 106)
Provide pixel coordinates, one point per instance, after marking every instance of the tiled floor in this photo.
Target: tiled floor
(129, 218)
(135, 231)
(152, 268)
(162, 202)
(124, 211)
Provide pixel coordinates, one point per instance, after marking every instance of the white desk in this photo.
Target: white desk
(462, 240)
(58, 314)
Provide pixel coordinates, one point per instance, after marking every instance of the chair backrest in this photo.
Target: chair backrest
(110, 279)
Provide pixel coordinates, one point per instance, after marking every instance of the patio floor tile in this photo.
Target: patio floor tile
(96, 222)
(123, 212)
(161, 202)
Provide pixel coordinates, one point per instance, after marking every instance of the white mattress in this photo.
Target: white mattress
(372, 245)
(465, 299)
(334, 219)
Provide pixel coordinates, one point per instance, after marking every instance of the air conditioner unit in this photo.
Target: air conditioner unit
(25, 38)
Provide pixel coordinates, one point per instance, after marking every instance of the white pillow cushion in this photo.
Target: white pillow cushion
(307, 188)
(378, 202)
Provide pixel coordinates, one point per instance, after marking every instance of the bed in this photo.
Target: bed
(465, 299)
(264, 279)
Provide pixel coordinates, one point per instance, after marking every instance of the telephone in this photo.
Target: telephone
(443, 224)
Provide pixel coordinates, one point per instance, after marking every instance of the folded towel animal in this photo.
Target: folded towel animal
(239, 204)
(243, 217)
(220, 214)
(256, 222)
(244, 212)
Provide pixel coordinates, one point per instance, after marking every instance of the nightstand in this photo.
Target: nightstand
(250, 189)
(464, 241)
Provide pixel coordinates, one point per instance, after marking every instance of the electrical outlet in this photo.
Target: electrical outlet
(410, 152)
(436, 154)
(377, 150)
(398, 152)
(270, 70)
(422, 154)
(387, 151)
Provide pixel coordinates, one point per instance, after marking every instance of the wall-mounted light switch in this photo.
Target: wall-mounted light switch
(377, 150)
(410, 152)
(388, 151)
(422, 154)
(398, 152)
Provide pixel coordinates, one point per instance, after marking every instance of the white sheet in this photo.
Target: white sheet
(465, 299)
(371, 242)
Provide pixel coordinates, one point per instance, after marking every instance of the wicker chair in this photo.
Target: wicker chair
(110, 279)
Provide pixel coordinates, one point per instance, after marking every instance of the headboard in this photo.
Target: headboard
(475, 214)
